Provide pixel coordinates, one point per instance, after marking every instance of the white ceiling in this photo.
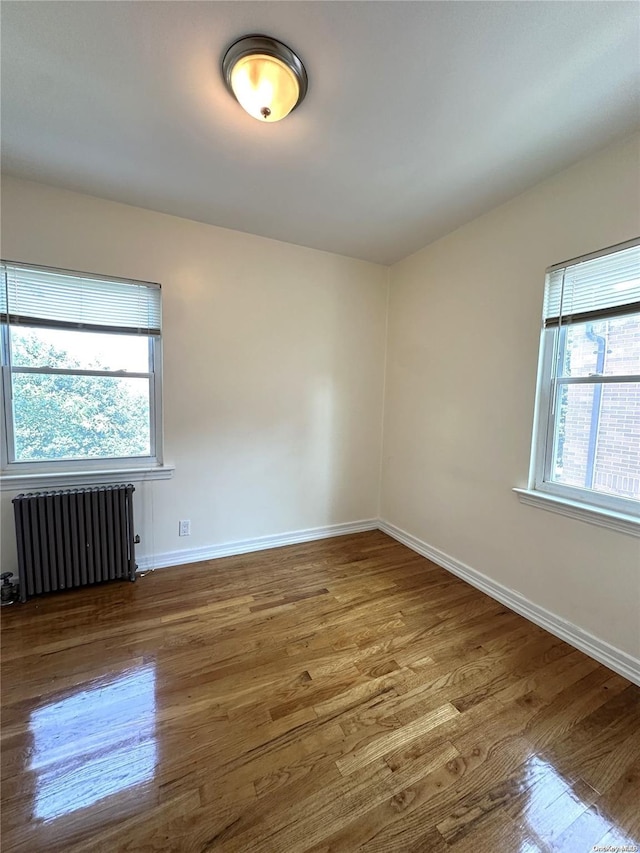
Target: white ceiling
(419, 116)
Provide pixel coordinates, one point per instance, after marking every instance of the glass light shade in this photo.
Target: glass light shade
(264, 86)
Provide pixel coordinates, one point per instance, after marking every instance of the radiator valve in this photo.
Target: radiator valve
(8, 589)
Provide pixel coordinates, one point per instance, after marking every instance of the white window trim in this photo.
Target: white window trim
(78, 472)
(586, 505)
(9, 467)
(542, 446)
(619, 521)
(68, 479)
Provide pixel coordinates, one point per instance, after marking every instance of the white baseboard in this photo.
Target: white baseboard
(617, 660)
(598, 649)
(245, 546)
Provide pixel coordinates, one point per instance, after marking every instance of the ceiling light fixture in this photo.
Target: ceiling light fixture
(265, 76)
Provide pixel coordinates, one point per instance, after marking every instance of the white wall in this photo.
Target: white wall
(273, 366)
(464, 321)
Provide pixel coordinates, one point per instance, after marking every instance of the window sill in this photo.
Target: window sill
(619, 521)
(69, 479)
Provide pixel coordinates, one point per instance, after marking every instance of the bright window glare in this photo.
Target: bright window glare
(40, 347)
(597, 438)
(60, 416)
(95, 743)
(619, 353)
(80, 417)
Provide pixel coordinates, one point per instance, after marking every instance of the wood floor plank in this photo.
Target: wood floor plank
(363, 755)
(342, 695)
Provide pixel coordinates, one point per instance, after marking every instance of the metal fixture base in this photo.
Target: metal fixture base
(267, 46)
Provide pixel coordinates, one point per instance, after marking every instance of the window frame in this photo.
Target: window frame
(12, 469)
(548, 389)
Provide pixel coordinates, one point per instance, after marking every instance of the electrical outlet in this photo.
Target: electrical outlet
(184, 528)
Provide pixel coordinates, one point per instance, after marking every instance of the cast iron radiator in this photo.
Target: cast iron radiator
(74, 538)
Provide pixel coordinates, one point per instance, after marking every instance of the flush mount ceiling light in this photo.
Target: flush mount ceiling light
(265, 76)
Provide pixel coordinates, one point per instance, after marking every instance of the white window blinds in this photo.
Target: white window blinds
(37, 296)
(594, 286)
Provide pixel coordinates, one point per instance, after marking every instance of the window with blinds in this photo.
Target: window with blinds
(587, 447)
(81, 370)
(602, 286)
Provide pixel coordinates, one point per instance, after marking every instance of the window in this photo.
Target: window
(587, 435)
(81, 371)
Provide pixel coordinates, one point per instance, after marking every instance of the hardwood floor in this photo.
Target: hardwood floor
(334, 696)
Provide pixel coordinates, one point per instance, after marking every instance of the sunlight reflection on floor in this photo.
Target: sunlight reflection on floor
(97, 742)
(562, 812)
